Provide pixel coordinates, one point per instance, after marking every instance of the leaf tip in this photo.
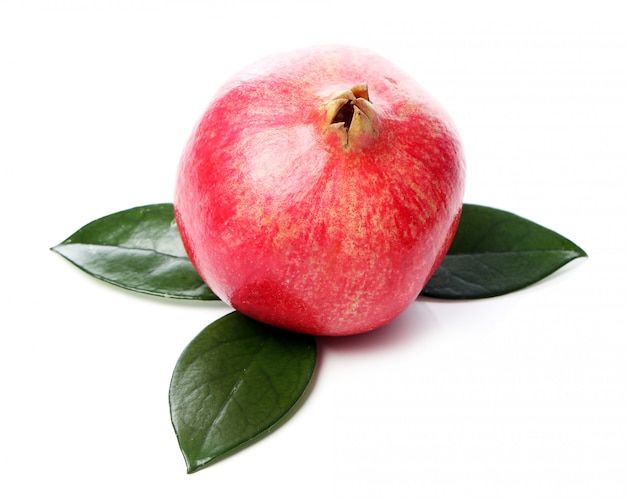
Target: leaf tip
(193, 467)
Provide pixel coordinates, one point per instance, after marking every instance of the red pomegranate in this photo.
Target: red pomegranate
(320, 190)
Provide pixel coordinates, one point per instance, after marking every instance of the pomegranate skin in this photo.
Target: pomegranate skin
(320, 190)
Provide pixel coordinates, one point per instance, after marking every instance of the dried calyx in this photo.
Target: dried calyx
(351, 114)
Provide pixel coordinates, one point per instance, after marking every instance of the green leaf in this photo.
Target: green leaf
(496, 252)
(233, 383)
(138, 249)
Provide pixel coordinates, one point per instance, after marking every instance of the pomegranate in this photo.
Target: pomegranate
(320, 190)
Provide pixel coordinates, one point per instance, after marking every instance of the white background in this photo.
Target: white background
(514, 397)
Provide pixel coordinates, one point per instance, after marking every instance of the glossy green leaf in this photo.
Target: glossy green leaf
(495, 252)
(233, 383)
(138, 249)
